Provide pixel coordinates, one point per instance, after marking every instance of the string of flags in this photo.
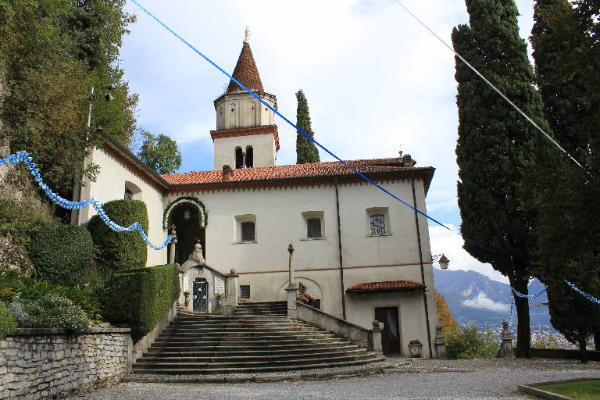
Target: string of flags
(23, 157)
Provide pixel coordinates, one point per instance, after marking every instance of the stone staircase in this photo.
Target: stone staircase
(257, 338)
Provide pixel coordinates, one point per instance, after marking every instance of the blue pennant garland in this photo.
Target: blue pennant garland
(585, 295)
(23, 157)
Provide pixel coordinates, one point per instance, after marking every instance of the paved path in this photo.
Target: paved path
(462, 380)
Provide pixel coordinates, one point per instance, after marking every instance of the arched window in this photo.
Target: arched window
(239, 158)
(249, 157)
(132, 191)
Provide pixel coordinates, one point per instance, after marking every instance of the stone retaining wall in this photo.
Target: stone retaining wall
(38, 363)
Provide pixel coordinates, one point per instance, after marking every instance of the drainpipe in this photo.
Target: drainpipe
(341, 257)
(422, 268)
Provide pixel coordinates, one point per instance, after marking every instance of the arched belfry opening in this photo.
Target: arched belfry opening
(188, 215)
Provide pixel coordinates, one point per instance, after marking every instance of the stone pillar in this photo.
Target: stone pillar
(440, 343)
(506, 348)
(230, 301)
(172, 245)
(292, 289)
(376, 346)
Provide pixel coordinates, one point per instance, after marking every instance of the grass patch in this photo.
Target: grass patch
(580, 390)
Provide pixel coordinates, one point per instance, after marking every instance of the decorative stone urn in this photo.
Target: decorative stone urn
(186, 294)
(415, 348)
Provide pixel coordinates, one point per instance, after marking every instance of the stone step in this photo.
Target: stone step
(217, 346)
(232, 370)
(240, 328)
(245, 334)
(236, 342)
(236, 352)
(182, 363)
(264, 356)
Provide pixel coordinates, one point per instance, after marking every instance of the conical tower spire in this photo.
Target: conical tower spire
(245, 70)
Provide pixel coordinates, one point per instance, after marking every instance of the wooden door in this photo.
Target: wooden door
(390, 337)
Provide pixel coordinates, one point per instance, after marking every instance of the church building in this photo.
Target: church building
(359, 255)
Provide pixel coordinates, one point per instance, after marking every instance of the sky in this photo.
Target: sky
(377, 82)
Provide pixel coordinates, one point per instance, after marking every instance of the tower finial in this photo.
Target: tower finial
(247, 35)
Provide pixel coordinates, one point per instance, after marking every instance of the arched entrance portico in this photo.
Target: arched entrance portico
(188, 215)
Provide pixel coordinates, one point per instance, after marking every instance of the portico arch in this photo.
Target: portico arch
(188, 215)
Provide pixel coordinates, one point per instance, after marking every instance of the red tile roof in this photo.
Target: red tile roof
(390, 168)
(386, 286)
(246, 72)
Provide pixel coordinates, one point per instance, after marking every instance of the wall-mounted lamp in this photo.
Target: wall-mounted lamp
(442, 260)
(187, 215)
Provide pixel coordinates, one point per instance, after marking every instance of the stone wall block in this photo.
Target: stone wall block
(50, 363)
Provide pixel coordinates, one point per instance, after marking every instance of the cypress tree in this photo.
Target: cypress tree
(306, 151)
(568, 236)
(496, 147)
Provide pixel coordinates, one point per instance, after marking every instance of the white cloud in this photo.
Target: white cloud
(451, 244)
(483, 302)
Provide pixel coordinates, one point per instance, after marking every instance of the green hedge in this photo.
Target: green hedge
(8, 324)
(118, 251)
(62, 253)
(140, 298)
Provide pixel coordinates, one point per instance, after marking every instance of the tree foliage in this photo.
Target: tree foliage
(445, 317)
(160, 153)
(52, 52)
(497, 148)
(566, 197)
(306, 151)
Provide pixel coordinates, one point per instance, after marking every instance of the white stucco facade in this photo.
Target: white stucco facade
(369, 253)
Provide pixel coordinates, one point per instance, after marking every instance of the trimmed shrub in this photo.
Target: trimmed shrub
(62, 253)
(50, 312)
(8, 324)
(118, 251)
(140, 298)
(470, 343)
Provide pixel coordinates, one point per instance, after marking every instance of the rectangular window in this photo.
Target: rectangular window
(379, 221)
(248, 231)
(313, 228)
(377, 224)
(314, 224)
(245, 291)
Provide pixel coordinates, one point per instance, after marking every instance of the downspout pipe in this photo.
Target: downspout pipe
(414, 193)
(341, 257)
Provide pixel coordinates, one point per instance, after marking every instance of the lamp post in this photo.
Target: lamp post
(77, 184)
(442, 260)
(291, 266)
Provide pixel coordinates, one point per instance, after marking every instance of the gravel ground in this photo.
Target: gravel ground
(403, 379)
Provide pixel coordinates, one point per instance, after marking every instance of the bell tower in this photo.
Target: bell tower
(246, 135)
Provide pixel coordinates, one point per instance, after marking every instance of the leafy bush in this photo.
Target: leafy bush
(62, 253)
(119, 251)
(140, 298)
(22, 213)
(8, 324)
(12, 288)
(470, 343)
(50, 312)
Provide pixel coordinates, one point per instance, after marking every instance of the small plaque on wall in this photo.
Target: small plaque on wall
(219, 285)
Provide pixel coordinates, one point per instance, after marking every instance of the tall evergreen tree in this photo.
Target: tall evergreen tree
(497, 147)
(306, 151)
(568, 236)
